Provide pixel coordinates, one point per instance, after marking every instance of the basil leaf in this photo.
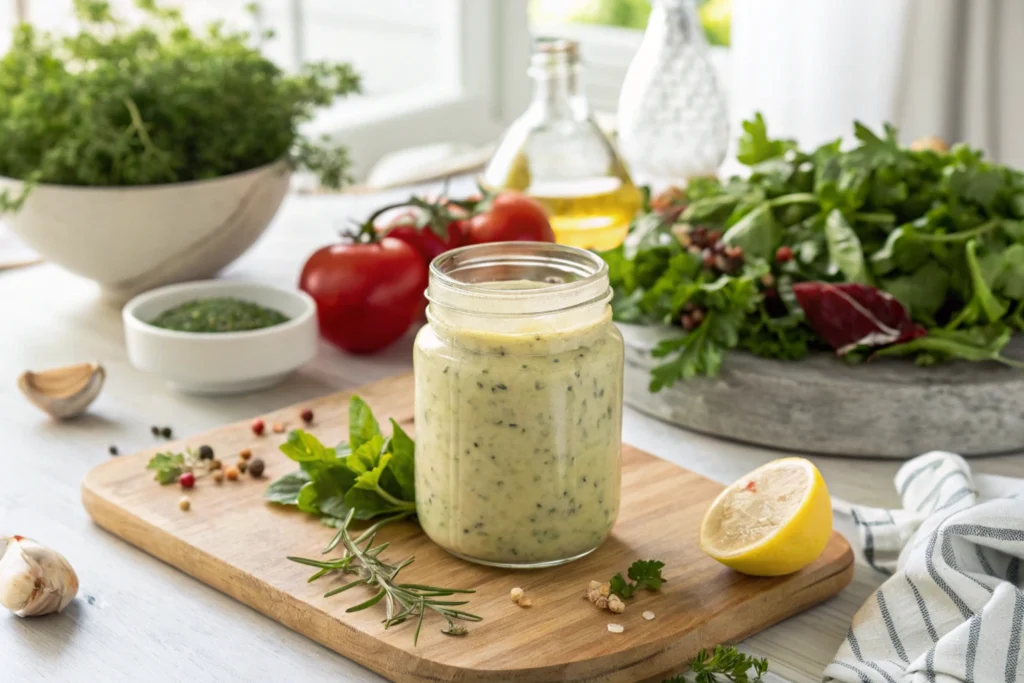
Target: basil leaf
(362, 425)
(285, 490)
(403, 461)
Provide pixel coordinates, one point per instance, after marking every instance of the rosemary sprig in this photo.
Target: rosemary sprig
(402, 601)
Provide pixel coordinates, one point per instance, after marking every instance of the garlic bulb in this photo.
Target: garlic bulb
(35, 580)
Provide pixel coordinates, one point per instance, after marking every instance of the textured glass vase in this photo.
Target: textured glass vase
(672, 119)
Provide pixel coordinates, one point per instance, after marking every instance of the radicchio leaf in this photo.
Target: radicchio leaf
(849, 315)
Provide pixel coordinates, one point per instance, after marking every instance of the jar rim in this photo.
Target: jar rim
(517, 261)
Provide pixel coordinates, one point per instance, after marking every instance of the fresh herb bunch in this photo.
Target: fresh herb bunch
(367, 476)
(723, 663)
(939, 232)
(643, 574)
(118, 104)
(402, 601)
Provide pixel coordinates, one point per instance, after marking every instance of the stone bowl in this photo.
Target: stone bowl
(132, 239)
(889, 408)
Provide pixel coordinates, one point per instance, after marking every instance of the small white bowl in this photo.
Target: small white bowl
(211, 363)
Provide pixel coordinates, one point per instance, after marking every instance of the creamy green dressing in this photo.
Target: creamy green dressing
(518, 440)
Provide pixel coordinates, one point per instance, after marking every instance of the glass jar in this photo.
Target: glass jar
(672, 119)
(556, 153)
(518, 405)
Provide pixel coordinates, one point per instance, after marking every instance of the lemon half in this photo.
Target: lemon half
(775, 520)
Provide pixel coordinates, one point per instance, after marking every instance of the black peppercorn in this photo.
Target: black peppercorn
(205, 452)
(155, 430)
(113, 450)
(166, 432)
(256, 467)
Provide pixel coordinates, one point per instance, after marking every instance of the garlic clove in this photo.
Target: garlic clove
(35, 580)
(63, 392)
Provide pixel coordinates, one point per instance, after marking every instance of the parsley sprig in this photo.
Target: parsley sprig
(643, 574)
(723, 663)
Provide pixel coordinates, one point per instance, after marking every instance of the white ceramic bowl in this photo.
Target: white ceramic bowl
(130, 239)
(221, 362)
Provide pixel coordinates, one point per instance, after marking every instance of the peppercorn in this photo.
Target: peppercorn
(214, 465)
(687, 322)
(307, 415)
(166, 432)
(187, 480)
(714, 236)
(256, 468)
(783, 254)
(697, 316)
(231, 473)
(155, 430)
(245, 453)
(184, 503)
(218, 476)
(278, 428)
(241, 465)
(113, 450)
(257, 427)
(205, 452)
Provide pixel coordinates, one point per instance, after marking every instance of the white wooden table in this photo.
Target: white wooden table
(137, 619)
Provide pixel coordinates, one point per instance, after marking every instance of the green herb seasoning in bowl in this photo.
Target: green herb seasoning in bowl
(219, 337)
(220, 314)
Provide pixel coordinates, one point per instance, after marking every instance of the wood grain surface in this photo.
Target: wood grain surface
(232, 540)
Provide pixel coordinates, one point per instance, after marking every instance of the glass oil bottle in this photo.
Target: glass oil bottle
(556, 154)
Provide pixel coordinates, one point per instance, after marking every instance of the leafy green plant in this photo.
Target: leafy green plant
(940, 232)
(643, 574)
(367, 476)
(119, 104)
(723, 663)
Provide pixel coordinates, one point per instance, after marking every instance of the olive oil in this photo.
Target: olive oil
(591, 213)
(556, 153)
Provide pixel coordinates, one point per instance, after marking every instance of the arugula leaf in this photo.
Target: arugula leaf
(923, 292)
(755, 146)
(983, 304)
(168, 466)
(757, 233)
(972, 344)
(845, 253)
(727, 663)
(362, 425)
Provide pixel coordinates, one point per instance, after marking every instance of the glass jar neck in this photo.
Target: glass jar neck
(557, 80)
(518, 288)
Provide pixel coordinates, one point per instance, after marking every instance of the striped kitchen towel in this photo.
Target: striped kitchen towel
(953, 607)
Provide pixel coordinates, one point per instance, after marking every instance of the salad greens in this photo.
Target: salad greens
(367, 476)
(941, 233)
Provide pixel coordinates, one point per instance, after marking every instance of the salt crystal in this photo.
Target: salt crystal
(648, 615)
(616, 628)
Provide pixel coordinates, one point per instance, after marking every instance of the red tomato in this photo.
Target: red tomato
(367, 295)
(511, 217)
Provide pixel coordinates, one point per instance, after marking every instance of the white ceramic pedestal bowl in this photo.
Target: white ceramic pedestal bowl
(131, 239)
(212, 363)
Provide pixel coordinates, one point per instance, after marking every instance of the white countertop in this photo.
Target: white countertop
(137, 619)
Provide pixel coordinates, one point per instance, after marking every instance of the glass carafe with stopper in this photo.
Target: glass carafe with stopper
(556, 154)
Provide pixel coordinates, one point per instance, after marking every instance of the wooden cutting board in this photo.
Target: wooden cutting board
(232, 540)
